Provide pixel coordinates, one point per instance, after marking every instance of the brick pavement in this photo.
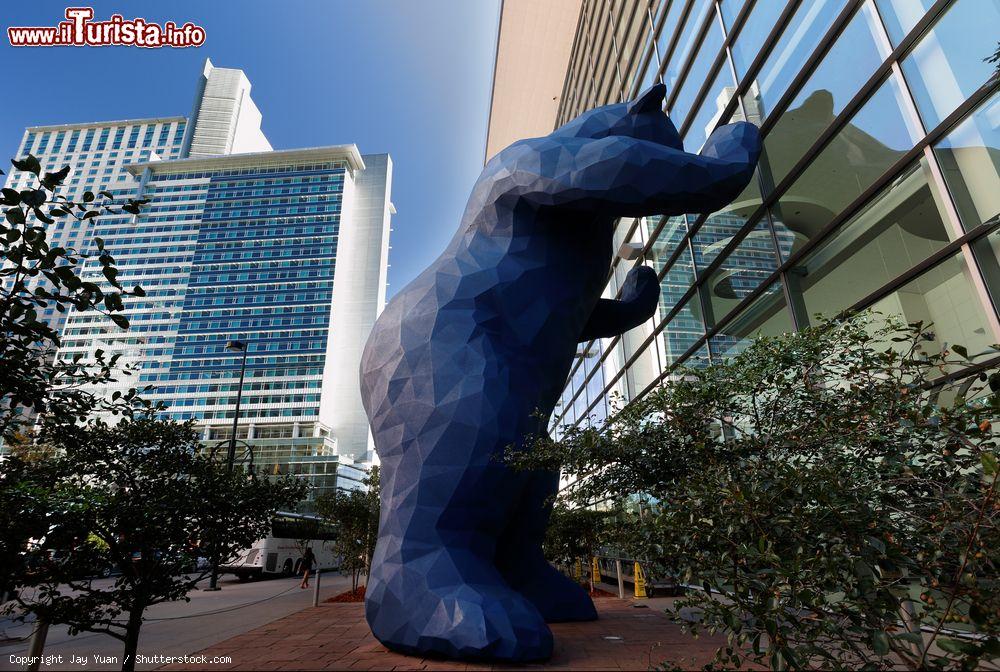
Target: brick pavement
(335, 637)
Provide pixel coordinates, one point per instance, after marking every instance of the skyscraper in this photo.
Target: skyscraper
(282, 252)
(878, 186)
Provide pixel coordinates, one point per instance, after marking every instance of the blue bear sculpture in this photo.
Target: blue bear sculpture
(471, 357)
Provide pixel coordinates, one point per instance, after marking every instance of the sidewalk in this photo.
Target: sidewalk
(336, 637)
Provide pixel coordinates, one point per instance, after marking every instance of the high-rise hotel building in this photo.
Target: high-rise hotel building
(284, 251)
(878, 186)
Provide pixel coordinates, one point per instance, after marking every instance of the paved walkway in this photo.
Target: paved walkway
(336, 637)
(173, 628)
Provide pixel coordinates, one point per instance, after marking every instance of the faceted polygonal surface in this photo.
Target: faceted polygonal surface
(471, 357)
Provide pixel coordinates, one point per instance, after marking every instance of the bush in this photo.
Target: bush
(832, 491)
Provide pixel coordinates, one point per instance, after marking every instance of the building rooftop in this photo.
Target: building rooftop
(101, 124)
(347, 153)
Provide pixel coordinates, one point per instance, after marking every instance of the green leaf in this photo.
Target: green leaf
(29, 164)
(120, 320)
(960, 351)
(88, 196)
(42, 216)
(880, 643)
(53, 180)
(957, 646)
(15, 216)
(33, 197)
(989, 461)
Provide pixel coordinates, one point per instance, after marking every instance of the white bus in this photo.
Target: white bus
(280, 553)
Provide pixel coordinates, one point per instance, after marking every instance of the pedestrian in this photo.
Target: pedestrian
(308, 559)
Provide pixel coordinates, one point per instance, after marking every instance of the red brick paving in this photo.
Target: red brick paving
(334, 636)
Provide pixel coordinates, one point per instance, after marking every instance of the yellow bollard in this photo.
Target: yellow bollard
(578, 571)
(595, 571)
(640, 582)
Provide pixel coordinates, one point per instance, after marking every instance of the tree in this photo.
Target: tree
(33, 381)
(355, 516)
(140, 497)
(832, 491)
(576, 533)
(34, 276)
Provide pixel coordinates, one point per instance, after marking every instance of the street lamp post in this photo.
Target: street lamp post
(236, 346)
(232, 346)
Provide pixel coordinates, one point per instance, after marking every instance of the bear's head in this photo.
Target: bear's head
(642, 119)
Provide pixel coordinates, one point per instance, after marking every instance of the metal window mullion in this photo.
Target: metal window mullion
(706, 86)
(701, 32)
(645, 60)
(672, 45)
(614, 266)
(638, 51)
(930, 262)
(613, 32)
(952, 218)
(627, 362)
(892, 285)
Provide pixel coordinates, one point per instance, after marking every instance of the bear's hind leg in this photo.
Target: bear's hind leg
(434, 589)
(522, 563)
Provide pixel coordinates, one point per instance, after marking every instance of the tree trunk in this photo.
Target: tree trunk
(132, 638)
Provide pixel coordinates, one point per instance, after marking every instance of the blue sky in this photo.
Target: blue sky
(407, 77)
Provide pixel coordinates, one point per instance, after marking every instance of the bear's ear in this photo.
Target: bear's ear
(650, 100)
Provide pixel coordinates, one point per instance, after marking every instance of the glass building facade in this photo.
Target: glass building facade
(98, 154)
(878, 186)
(244, 248)
(283, 251)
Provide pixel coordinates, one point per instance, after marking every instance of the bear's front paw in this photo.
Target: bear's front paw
(739, 142)
(641, 286)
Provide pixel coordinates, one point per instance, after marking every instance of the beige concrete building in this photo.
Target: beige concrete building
(533, 47)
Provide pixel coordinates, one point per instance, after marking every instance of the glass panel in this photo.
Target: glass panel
(875, 138)
(767, 316)
(700, 71)
(685, 44)
(648, 75)
(680, 277)
(644, 69)
(669, 28)
(987, 251)
(731, 9)
(719, 94)
(684, 330)
(755, 29)
(897, 230)
(698, 360)
(797, 41)
(943, 299)
(948, 64)
(748, 265)
(720, 227)
(645, 369)
(900, 16)
(837, 79)
(970, 161)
